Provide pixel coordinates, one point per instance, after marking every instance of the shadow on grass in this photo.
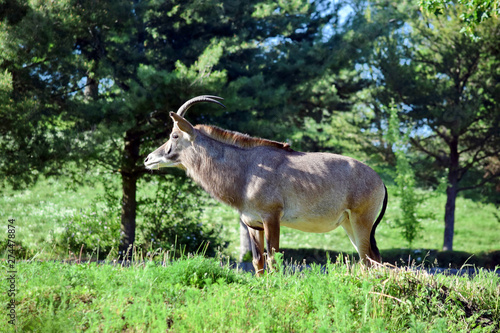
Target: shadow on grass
(398, 257)
(402, 257)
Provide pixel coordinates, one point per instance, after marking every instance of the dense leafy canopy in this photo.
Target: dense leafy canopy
(86, 86)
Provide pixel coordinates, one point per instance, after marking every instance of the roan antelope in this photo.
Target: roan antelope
(272, 185)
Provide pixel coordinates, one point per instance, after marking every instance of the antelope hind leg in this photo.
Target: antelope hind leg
(363, 228)
(272, 233)
(358, 228)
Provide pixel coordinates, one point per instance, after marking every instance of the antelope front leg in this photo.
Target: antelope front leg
(272, 232)
(257, 244)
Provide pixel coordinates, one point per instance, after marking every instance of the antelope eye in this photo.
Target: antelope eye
(175, 136)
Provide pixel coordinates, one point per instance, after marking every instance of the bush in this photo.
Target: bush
(172, 220)
(16, 249)
(96, 228)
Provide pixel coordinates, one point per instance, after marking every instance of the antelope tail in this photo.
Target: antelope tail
(373, 244)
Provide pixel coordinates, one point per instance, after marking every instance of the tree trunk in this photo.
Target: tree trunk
(129, 205)
(449, 217)
(91, 90)
(451, 195)
(129, 187)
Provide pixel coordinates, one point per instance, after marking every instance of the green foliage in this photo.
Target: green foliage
(5, 86)
(201, 272)
(171, 220)
(144, 294)
(338, 132)
(178, 296)
(18, 250)
(473, 12)
(404, 178)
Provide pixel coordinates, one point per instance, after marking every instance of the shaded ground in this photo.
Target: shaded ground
(398, 257)
(403, 257)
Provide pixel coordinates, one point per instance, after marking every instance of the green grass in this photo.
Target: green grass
(41, 211)
(199, 295)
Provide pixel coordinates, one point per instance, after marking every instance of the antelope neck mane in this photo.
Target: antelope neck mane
(239, 139)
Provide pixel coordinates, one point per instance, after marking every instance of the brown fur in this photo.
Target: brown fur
(239, 139)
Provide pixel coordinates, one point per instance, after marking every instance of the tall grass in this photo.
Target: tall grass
(202, 295)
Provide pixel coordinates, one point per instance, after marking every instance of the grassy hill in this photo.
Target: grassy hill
(200, 295)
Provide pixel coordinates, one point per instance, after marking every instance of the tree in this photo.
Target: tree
(31, 128)
(448, 88)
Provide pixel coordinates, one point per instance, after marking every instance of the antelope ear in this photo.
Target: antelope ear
(182, 123)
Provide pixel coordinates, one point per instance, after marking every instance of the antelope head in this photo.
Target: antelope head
(182, 137)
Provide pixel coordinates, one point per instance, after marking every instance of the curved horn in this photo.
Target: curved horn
(205, 98)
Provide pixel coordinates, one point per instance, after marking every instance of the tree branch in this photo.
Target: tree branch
(443, 135)
(480, 144)
(72, 91)
(468, 74)
(481, 183)
(428, 152)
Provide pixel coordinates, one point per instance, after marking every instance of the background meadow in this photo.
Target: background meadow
(42, 212)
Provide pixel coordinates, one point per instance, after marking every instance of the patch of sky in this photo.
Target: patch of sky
(369, 72)
(343, 12)
(422, 129)
(329, 30)
(105, 85)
